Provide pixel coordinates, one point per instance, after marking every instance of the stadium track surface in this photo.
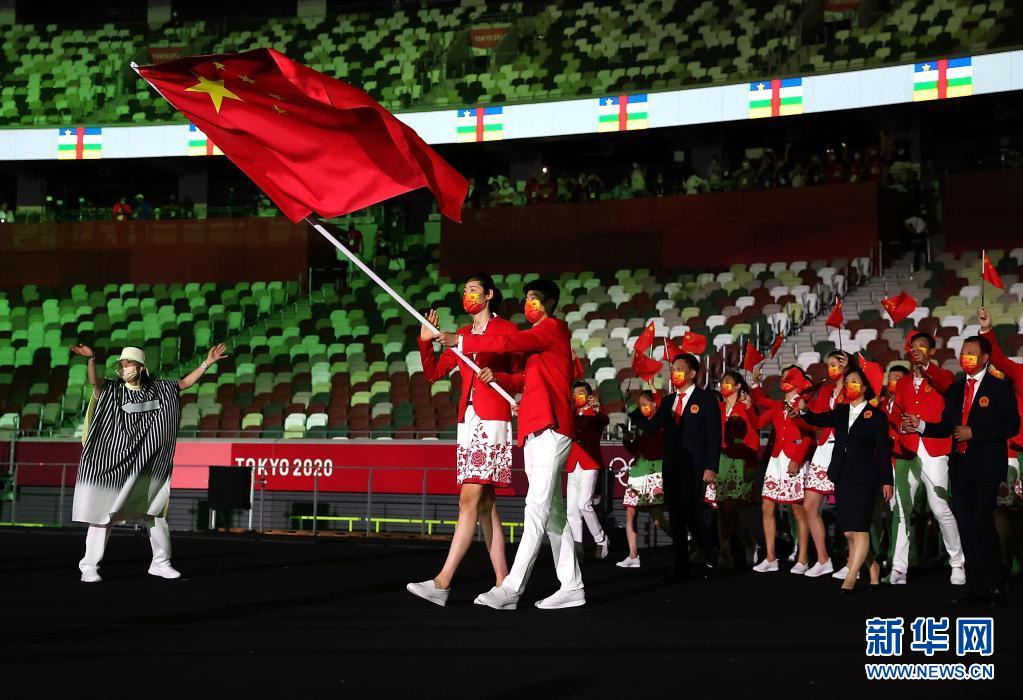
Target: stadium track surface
(277, 617)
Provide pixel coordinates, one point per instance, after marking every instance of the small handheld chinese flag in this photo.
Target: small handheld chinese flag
(991, 275)
(694, 343)
(753, 357)
(578, 371)
(646, 368)
(672, 349)
(312, 143)
(873, 373)
(836, 318)
(645, 341)
(776, 345)
(899, 307)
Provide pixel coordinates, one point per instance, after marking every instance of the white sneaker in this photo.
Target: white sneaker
(819, 569)
(799, 569)
(629, 563)
(602, 548)
(90, 575)
(498, 598)
(563, 599)
(792, 557)
(841, 573)
(164, 570)
(958, 577)
(427, 590)
(766, 566)
(898, 578)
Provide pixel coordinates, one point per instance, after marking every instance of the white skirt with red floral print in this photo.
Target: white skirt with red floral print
(484, 452)
(779, 485)
(817, 473)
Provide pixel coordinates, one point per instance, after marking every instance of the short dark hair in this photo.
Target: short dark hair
(691, 360)
(931, 343)
(837, 354)
(984, 343)
(737, 379)
(646, 394)
(582, 384)
(899, 368)
(546, 288)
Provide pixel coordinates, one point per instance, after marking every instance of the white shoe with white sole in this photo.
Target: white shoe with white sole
(427, 590)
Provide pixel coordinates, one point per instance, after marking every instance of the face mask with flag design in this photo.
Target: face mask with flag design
(580, 400)
(473, 302)
(678, 378)
(646, 409)
(533, 310)
(853, 390)
(727, 389)
(834, 372)
(892, 383)
(968, 362)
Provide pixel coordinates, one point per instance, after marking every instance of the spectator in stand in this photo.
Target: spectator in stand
(660, 186)
(143, 210)
(814, 171)
(637, 180)
(622, 190)
(715, 174)
(916, 239)
(874, 165)
(695, 184)
(565, 186)
(798, 176)
(835, 171)
(765, 174)
(745, 177)
(857, 168)
(122, 210)
(541, 189)
(6, 215)
(472, 196)
(592, 187)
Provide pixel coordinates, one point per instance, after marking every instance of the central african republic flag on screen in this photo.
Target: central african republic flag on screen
(622, 113)
(480, 124)
(774, 98)
(199, 144)
(79, 143)
(941, 79)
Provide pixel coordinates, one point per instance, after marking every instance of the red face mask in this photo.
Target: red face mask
(969, 363)
(786, 387)
(580, 400)
(678, 379)
(853, 391)
(892, 383)
(646, 409)
(834, 372)
(727, 389)
(473, 302)
(534, 310)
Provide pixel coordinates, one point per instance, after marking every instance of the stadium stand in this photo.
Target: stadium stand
(420, 58)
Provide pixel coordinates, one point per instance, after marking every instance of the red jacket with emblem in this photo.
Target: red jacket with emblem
(927, 402)
(792, 435)
(487, 403)
(1013, 371)
(548, 372)
(820, 402)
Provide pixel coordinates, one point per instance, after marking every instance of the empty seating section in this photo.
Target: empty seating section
(419, 57)
(346, 363)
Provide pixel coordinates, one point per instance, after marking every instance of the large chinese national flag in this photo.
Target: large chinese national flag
(312, 143)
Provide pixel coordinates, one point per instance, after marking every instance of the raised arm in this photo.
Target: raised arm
(432, 368)
(821, 419)
(1012, 370)
(94, 379)
(215, 353)
(940, 378)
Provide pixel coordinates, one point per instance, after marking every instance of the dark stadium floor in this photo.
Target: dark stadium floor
(275, 618)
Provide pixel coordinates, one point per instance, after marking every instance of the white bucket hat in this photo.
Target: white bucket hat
(133, 354)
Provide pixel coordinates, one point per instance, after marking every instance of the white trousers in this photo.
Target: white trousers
(545, 456)
(933, 475)
(581, 483)
(97, 535)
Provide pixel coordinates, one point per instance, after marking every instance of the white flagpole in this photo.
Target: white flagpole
(404, 304)
(983, 270)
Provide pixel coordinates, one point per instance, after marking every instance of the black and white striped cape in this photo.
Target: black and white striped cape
(128, 453)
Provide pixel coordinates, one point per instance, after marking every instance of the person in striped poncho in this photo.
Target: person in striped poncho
(129, 440)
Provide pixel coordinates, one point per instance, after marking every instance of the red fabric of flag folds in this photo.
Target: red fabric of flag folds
(753, 357)
(836, 318)
(991, 275)
(646, 368)
(312, 143)
(899, 307)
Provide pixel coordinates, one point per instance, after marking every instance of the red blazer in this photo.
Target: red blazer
(1013, 371)
(548, 374)
(895, 431)
(928, 403)
(589, 428)
(792, 435)
(488, 404)
(820, 402)
(740, 437)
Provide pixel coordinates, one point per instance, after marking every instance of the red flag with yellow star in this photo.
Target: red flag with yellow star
(899, 306)
(312, 143)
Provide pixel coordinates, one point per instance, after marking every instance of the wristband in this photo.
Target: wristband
(205, 365)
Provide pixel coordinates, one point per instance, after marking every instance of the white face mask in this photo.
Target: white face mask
(130, 374)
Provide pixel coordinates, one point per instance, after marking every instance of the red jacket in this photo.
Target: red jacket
(895, 431)
(1013, 371)
(488, 404)
(589, 428)
(928, 402)
(548, 374)
(740, 437)
(792, 435)
(821, 402)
